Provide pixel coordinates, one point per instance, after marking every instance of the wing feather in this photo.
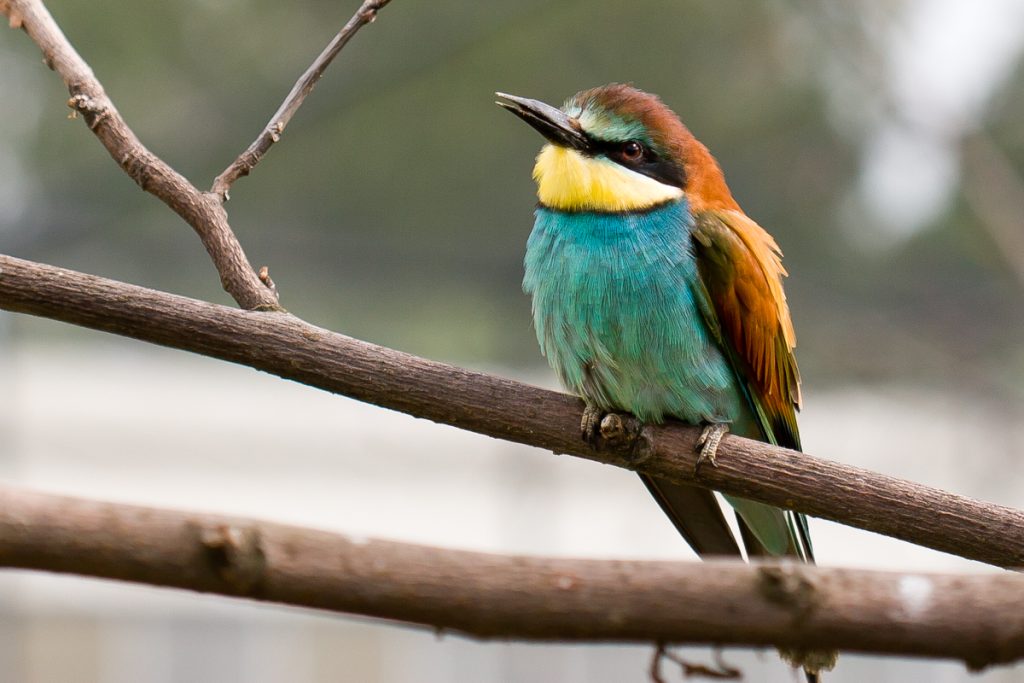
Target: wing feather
(744, 304)
(741, 269)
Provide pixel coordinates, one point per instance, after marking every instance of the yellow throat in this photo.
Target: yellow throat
(570, 181)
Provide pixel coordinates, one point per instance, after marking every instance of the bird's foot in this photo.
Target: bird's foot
(602, 430)
(590, 425)
(708, 443)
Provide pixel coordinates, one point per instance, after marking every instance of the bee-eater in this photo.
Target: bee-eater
(653, 293)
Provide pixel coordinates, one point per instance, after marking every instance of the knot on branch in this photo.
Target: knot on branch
(14, 18)
(264, 276)
(368, 14)
(92, 109)
(627, 434)
(236, 555)
(788, 586)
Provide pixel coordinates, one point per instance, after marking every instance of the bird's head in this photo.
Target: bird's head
(617, 149)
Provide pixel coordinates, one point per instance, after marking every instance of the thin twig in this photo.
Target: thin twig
(975, 618)
(654, 671)
(720, 671)
(203, 211)
(271, 133)
(284, 345)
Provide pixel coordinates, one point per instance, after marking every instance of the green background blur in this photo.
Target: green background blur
(398, 203)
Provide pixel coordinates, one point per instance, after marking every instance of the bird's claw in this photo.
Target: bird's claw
(708, 442)
(590, 425)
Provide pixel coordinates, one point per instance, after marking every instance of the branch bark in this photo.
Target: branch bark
(979, 619)
(271, 133)
(201, 210)
(281, 344)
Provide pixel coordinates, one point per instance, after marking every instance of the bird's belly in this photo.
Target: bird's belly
(638, 356)
(624, 330)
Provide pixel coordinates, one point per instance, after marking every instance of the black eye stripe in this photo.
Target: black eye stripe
(649, 163)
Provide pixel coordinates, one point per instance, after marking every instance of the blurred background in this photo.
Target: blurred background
(882, 143)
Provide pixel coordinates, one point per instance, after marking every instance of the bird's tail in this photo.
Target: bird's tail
(697, 516)
(770, 532)
(766, 531)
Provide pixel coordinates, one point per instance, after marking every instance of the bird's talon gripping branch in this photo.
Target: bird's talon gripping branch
(590, 425)
(708, 443)
(613, 429)
(602, 431)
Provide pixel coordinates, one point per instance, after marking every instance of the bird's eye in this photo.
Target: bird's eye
(631, 151)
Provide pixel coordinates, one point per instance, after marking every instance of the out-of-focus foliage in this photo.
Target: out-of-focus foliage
(397, 204)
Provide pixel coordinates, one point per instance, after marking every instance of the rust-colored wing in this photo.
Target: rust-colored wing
(744, 305)
(741, 269)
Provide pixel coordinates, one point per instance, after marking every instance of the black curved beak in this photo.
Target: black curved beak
(552, 123)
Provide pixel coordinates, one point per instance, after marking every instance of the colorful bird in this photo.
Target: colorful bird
(654, 293)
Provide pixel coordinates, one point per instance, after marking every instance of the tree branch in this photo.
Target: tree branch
(281, 344)
(203, 211)
(271, 133)
(976, 618)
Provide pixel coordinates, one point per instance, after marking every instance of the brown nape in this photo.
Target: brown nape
(705, 183)
(705, 187)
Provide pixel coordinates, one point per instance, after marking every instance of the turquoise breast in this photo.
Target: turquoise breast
(615, 307)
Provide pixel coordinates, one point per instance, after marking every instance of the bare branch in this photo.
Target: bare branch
(976, 618)
(720, 672)
(248, 159)
(282, 344)
(203, 211)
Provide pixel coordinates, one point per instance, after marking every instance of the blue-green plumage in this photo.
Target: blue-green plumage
(617, 314)
(618, 308)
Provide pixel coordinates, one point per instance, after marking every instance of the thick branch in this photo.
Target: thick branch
(979, 619)
(271, 133)
(203, 211)
(284, 345)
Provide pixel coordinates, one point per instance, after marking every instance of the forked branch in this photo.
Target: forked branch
(271, 133)
(203, 211)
